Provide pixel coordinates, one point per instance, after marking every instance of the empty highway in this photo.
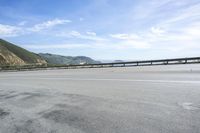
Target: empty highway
(153, 99)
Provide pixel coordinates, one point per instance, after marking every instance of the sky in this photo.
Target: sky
(104, 29)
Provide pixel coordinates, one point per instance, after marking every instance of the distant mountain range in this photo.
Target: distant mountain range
(67, 60)
(11, 54)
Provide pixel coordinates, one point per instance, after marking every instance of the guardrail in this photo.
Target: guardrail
(193, 60)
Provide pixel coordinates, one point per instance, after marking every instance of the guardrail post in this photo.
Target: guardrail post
(186, 61)
(166, 63)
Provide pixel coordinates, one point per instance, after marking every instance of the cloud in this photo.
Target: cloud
(12, 31)
(75, 34)
(157, 38)
(87, 36)
(189, 13)
(48, 24)
(132, 44)
(124, 36)
(178, 31)
(167, 25)
(130, 41)
(81, 19)
(57, 46)
(157, 31)
(22, 23)
(91, 33)
(9, 31)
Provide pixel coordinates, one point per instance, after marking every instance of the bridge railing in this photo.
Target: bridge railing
(192, 60)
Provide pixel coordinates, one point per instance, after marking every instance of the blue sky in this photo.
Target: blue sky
(104, 29)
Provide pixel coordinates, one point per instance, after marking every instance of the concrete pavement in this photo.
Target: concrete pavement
(157, 99)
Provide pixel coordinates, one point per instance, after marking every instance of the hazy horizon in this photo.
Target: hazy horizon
(104, 29)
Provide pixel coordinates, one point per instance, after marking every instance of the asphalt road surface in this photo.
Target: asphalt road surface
(157, 99)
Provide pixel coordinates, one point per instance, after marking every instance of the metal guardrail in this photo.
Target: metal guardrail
(192, 60)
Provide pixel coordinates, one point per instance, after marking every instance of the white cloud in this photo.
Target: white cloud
(157, 31)
(48, 24)
(57, 46)
(75, 34)
(185, 14)
(9, 31)
(125, 36)
(177, 32)
(81, 19)
(88, 36)
(135, 44)
(130, 41)
(91, 33)
(22, 23)
(193, 30)
(169, 39)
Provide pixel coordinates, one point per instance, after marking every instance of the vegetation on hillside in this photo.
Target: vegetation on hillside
(67, 60)
(27, 56)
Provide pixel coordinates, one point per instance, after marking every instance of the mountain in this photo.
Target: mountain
(11, 54)
(67, 60)
(117, 61)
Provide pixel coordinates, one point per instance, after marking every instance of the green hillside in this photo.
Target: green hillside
(66, 60)
(14, 55)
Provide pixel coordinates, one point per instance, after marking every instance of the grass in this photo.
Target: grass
(24, 54)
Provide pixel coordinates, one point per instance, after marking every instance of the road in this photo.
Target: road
(154, 99)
